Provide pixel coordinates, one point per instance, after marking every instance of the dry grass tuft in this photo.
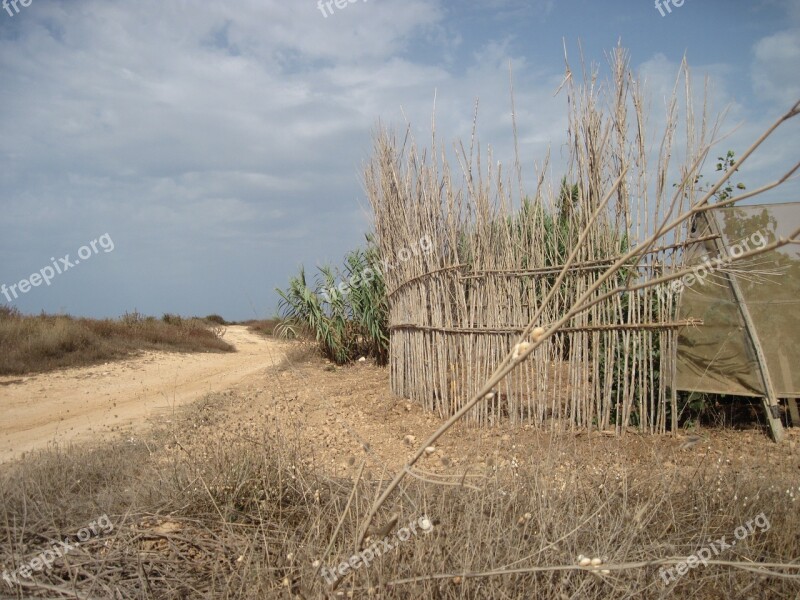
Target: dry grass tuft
(263, 326)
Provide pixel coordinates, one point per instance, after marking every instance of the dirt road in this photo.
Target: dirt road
(88, 402)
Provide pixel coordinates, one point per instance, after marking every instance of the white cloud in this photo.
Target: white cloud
(776, 67)
(190, 130)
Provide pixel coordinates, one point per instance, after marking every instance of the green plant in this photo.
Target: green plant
(347, 323)
(724, 163)
(368, 302)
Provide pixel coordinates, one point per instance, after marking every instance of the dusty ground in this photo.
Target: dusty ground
(74, 405)
(562, 493)
(338, 416)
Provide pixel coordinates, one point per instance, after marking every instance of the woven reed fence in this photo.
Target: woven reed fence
(495, 252)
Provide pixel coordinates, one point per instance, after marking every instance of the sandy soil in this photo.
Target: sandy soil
(336, 416)
(90, 402)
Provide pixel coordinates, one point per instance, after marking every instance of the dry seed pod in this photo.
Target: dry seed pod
(520, 349)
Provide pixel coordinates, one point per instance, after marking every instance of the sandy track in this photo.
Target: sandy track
(90, 402)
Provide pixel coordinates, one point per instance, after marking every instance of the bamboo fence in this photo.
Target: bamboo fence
(455, 312)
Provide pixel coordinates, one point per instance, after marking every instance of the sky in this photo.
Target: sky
(189, 156)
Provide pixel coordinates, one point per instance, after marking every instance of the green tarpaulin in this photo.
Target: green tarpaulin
(717, 357)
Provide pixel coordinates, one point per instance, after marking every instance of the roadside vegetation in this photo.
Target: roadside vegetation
(254, 518)
(345, 310)
(263, 326)
(41, 343)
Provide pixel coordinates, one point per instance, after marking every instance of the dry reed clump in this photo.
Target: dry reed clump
(250, 519)
(588, 260)
(456, 312)
(456, 317)
(35, 344)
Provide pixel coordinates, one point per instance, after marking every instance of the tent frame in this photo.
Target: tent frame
(769, 399)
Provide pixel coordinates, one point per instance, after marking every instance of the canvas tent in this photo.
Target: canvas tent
(750, 309)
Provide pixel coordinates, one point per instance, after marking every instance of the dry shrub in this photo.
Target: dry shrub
(248, 519)
(263, 326)
(34, 344)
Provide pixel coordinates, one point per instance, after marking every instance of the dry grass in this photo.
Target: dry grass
(36, 344)
(263, 326)
(244, 518)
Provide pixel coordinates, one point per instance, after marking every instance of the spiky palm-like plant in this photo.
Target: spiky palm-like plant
(348, 323)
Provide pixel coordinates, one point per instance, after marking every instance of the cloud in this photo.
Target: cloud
(776, 67)
(225, 139)
(515, 9)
